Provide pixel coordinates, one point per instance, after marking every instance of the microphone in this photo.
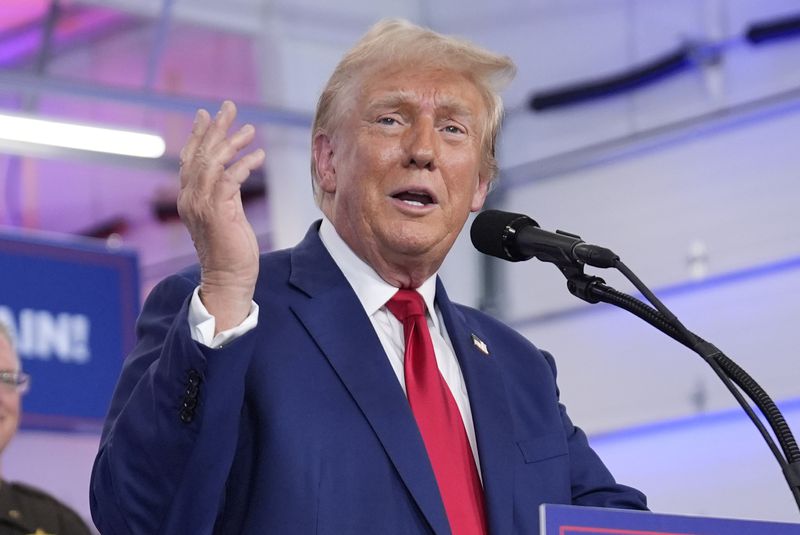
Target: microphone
(517, 237)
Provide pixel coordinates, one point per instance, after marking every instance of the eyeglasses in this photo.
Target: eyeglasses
(14, 381)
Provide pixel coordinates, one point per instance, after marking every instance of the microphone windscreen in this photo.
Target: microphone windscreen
(493, 233)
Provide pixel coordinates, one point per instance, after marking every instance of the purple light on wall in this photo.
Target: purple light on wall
(16, 12)
(21, 45)
(75, 26)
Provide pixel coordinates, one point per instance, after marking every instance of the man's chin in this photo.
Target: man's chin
(419, 244)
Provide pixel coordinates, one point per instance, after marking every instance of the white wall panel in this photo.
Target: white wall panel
(765, 69)
(616, 371)
(556, 49)
(737, 191)
(715, 465)
(579, 45)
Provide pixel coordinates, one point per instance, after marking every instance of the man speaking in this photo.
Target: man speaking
(333, 388)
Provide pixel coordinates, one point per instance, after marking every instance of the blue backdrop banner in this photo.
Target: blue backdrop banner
(71, 307)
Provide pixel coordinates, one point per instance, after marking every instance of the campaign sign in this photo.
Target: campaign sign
(71, 307)
(574, 520)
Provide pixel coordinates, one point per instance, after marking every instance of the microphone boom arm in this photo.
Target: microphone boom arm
(517, 237)
(594, 290)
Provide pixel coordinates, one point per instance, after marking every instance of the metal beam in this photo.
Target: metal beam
(254, 113)
(245, 17)
(159, 44)
(651, 139)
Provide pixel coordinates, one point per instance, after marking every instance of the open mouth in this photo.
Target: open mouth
(415, 198)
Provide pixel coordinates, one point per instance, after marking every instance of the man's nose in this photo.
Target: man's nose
(421, 145)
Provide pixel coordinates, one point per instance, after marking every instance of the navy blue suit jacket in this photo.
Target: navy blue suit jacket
(301, 427)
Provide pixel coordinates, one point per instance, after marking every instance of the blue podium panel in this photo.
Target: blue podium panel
(71, 307)
(573, 520)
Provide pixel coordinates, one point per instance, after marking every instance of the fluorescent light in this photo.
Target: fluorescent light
(81, 137)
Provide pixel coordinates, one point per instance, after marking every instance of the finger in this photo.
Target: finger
(210, 166)
(239, 171)
(236, 174)
(215, 150)
(218, 129)
(201, 122)
(229, 147)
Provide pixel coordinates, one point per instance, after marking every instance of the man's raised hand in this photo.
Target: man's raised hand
(210, 205)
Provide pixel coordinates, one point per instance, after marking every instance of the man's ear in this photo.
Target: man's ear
(480, 193)
(323, 159)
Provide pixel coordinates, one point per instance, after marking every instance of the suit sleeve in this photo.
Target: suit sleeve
(171, 431)
(591, 482)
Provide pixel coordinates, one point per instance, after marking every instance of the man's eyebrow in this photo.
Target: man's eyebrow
(391, 100)
(455, 107)
(448, 104)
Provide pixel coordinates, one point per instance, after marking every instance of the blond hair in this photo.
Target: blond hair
(398, 42)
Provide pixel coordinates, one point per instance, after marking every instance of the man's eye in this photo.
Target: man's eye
(452, 129)
(387, 121)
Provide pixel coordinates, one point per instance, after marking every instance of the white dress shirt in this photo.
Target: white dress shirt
(373, 293)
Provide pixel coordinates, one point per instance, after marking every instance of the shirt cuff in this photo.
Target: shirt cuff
(202, 324)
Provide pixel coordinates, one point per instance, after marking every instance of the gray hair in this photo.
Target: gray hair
(399, 42)
(6, 333)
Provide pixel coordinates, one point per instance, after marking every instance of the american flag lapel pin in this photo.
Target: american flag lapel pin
(480, 344)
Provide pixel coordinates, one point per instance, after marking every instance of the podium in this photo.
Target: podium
(575, 520)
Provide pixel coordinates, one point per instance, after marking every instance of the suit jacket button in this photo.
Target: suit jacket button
(193, 377)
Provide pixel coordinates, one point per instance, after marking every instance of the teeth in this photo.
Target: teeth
(414, 203)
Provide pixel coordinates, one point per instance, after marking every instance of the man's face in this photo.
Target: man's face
(9, 397)
(401, 173)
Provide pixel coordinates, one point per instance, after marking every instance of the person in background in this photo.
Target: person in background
(25, 509)
(334, 388)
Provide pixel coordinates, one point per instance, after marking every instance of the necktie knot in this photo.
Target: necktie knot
(406, 304)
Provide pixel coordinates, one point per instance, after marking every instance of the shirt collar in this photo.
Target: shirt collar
(372, 291)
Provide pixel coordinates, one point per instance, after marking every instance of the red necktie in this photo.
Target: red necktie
(439, 420)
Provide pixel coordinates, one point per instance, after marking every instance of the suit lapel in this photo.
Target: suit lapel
(337, 322)
(490, 412)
